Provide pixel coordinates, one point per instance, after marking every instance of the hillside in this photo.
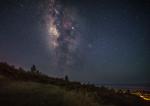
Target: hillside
(32, 88)
(36, 94)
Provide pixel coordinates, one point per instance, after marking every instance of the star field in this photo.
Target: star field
(99, 41)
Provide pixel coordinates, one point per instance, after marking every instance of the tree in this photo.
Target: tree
(66, 78)
(33, 69)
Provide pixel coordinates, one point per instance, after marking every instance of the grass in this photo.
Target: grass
(25, 88)
(17, 93)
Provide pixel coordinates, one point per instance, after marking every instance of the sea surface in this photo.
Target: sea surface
(145, 87)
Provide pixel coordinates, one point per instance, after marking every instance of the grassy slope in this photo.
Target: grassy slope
(24, 88)
(17, 93)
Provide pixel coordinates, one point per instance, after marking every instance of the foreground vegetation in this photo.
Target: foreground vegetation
(35, 94)
(31, 88)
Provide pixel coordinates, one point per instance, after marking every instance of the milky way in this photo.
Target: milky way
(99, 41)
(63, 34)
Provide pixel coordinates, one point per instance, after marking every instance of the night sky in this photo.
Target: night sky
(98, 41)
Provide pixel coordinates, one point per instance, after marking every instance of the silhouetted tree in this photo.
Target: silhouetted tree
(66, 78)
(33, 69)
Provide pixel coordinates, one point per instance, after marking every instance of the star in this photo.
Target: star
(90, 45)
